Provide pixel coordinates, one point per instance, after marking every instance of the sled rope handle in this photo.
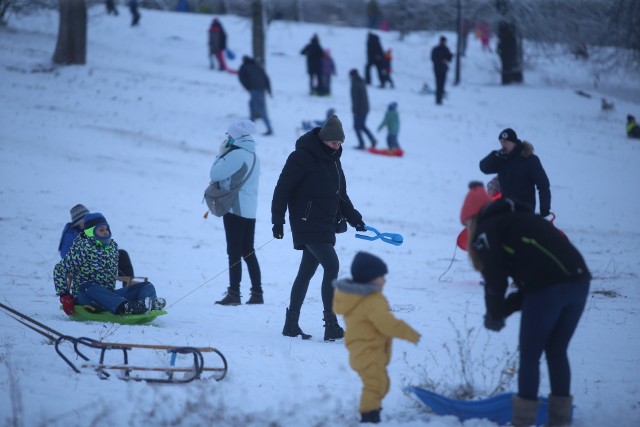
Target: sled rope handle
(391, 238)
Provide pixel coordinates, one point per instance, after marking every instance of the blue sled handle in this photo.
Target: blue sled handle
(391, 238)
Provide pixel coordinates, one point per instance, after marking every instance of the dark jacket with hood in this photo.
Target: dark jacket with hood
(359, 97)
(512, 242)
(313, 187)
(519, 173)
(375, 53)
(217, 37)
(252, 76)
(314, 54)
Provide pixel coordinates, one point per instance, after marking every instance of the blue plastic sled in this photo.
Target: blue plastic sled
(391, 238)
(496, 408)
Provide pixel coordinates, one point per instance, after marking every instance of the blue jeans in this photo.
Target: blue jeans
(549, 318)
(392, 141)
(258, 107)
(102, 298)
(360, 126)
(313, 255)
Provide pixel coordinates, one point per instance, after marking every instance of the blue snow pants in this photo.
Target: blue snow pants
(549, 318)
(100, 297)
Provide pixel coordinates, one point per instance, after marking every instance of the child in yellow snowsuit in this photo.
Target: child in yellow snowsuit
(370, 329)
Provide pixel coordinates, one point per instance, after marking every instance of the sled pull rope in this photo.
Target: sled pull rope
(221, 272)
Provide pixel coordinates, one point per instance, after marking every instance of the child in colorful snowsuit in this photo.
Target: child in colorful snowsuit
(392, 122)
(92, 264)
(370, 329)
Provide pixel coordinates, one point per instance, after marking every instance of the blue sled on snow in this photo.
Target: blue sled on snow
(496, 408)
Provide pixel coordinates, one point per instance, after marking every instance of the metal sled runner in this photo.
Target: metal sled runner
(170, 373)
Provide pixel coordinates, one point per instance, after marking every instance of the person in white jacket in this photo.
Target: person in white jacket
(238, 151)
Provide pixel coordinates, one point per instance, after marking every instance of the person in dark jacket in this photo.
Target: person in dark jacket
(375, 57)
(506, 240)
(360, 108)
(633, 129)
(440, 56)
(519, 172)
(217, 44)
(313, 188)
(75, 228)
(254, 79)
(314, 53)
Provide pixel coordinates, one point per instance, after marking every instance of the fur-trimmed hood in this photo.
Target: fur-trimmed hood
(525, 149)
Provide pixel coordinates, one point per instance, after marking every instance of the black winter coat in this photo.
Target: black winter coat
(253, 77)
(374, 49)
(519, 173)
(217, 38)
(313, 187)
(440, 56)
(512, 242)
(359, 97)
(314, 54)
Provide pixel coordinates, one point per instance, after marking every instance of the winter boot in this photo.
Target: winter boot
(524, 411)
(256, 297)
(155, 303)
(232, 298)
(560, 408)
(370, 417)
(332, 331)
(134, 307)
(291, 328)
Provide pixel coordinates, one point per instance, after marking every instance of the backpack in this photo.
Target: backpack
(220, 200)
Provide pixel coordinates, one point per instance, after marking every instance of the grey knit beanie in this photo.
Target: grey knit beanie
(77, 213)
(332, 130)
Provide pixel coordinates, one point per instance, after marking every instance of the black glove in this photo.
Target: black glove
(278, 231)
(492, 323)
(360, 226)
(544, 212)
(513, 303)
(501, 154)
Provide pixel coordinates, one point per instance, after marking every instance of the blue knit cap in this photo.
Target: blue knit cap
(94, 219)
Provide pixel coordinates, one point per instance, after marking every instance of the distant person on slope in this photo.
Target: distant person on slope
(441, 57)
(360, 109)
(255, 80)
(633, 129)
(217, 44)
(519, 172)
(314, 53)
(506, 240)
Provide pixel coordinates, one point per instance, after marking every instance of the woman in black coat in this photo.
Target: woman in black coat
(312, 187)
(314, 53)
(519, 172)
(506, 240)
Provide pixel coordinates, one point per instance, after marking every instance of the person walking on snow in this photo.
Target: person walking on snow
(313, 188)
(217, 44)
(238, 151)
(255, 80)
(360, 109)
(519, 171)
(507, 240)
(92, 266)
(375, 57)
(371, 328)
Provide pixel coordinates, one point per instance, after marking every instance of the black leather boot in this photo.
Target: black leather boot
(256, 297)
(370, 417)
(291, 328)
(332, 331)
(231, 298)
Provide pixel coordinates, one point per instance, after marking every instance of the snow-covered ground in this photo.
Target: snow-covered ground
(133, 134)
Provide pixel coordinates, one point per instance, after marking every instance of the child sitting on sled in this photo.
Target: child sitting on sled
(392, 121)
(370, 329)
(92, 265)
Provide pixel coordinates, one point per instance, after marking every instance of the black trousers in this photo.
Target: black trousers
(124, 264)
(313, 255)
(441, 77)
(239, 232)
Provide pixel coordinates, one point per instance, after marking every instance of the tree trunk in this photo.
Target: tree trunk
(257, 14)
(71, 47)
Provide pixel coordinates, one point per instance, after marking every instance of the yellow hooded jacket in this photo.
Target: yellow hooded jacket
(370, 324)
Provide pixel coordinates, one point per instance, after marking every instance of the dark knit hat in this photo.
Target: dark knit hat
(509, 135)
(332, 130)
(366, 267)
(630, 118)
(94, 219)
(77, 213)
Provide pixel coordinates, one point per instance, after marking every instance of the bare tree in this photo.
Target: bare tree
(71, 47)
(257, 15)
